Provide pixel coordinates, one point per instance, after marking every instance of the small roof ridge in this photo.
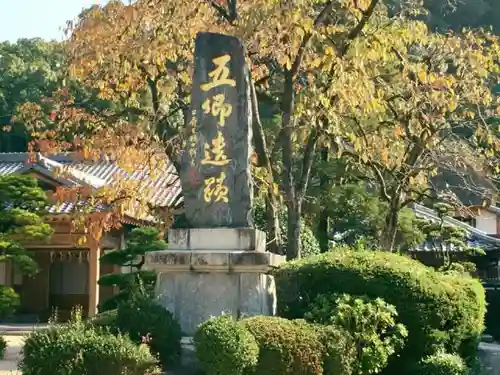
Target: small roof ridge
(22, 157)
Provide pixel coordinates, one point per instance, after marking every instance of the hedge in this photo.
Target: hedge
(294, 347)
(286, 347)
(440, 311)
(224, 347)
(266, 345)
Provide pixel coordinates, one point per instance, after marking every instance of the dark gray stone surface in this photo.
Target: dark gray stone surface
(220, 59)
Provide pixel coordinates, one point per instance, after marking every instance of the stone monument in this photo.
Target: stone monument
(219, 263)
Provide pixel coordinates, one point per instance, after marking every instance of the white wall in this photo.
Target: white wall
(487, 222)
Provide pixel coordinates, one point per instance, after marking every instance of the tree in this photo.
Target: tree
(345, 76)
(30, 70)
(357, 217)
(425, 111)
(445, 239)
(147, 49)
(141, 240)
(22, 203)
(309, 243)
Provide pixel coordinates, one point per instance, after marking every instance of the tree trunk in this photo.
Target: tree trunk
(294, 229)
(293, 247)
(274, 242)
(323, 225)
(259, 139)
(388, 238)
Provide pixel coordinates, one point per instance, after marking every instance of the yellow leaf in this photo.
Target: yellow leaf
(452, 105)
(275, 189)
(329, 51)
(316, 62)
(422, 76)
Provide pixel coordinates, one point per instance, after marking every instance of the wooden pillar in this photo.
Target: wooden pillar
(94, 272)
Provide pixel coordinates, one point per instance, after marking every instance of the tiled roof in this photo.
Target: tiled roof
(8, 168)
(165, 191)
(476, 237)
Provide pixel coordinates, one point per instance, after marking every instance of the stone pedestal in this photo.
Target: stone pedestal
(207, 272)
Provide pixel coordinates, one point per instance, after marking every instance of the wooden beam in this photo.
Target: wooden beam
(70, 240)
(94, 272)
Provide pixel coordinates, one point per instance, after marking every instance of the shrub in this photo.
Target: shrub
(224, 346)
(340, 353)
(146, 321)
(106, 319)
(442, 364)
(286, 347)
(439, 310)
(9, 301)
(77, 348)
(3, 347)
(371, 325)
(309, 243)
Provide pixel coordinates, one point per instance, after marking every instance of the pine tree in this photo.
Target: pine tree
(22, 204)
(141, 241)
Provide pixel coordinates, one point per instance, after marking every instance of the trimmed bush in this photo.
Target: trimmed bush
(9, 301)
(77, 348)
(438, 310)
(146, 321)
(224, 347)
(442, 364)
(286, 347)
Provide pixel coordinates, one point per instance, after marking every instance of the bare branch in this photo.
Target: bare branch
(356, 31)
(307, 162)
(220, 9)
(305, 41)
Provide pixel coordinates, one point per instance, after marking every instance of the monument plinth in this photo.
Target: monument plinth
(219, 264)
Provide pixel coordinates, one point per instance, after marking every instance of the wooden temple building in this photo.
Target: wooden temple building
(69, 268)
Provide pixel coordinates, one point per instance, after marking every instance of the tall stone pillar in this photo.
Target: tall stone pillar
(219, 264)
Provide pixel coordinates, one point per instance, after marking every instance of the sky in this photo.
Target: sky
(38, 18)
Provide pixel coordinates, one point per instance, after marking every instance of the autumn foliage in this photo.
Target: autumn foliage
(361, 79)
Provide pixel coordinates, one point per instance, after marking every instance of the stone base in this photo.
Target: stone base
(195, 285)
(247, 239)
(207, 272)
